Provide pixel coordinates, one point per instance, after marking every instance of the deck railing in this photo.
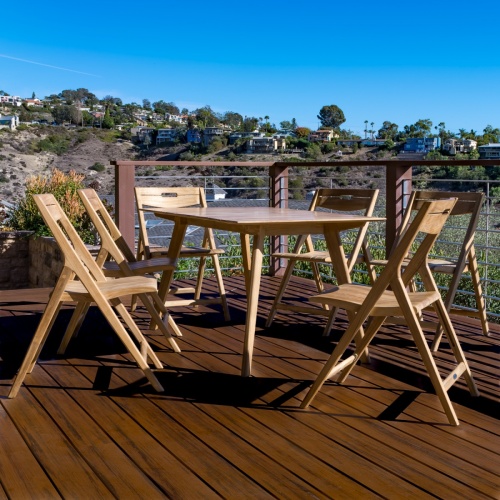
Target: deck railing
(273, 184)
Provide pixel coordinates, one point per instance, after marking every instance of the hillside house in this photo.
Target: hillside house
(210, 134)
(167, 135)
(263, 145)
(283, 134)
(14, 100)
(176, 118)
(215, 193)
(454, 146)
(321, 136)
(490, 151)
(421, 144)
(33, 102)
(193, 135)
(140, 133)
(11, 122)
(244, 135)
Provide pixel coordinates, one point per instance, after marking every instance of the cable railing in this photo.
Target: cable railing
(284, 187)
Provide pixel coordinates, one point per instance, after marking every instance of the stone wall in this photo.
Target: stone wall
(27, 261)
(14, 259)
(45, 262)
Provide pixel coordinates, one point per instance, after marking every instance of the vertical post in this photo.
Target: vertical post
(124, 200)
(278, 197)
(398, 187)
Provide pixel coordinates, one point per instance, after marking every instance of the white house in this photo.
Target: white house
(11, 122)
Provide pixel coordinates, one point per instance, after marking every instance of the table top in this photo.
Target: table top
(260, 216)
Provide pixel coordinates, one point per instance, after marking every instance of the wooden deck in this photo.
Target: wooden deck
(88, 425)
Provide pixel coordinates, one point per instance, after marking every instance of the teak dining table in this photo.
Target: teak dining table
(259, 222)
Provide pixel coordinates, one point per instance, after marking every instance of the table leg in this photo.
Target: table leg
(252, 280)
(246, 256)
(174, 249)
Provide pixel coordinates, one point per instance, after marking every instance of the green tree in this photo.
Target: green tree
(331, 116)
(389, 130)
(232, 119)
(302, 131)
(107, 121)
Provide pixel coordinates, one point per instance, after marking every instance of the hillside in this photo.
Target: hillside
(88, 151)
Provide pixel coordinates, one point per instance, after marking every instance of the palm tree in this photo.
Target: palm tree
(372, 131)
(366, 127)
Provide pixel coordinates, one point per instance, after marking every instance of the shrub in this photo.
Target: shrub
(57, 144)
(25, 216)
(98, 167)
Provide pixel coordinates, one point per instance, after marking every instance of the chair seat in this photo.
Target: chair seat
(316, 256)
(445, 266)
(435, 265)
(186, 251)
(350, 297)
(111, 288)
(141, 267)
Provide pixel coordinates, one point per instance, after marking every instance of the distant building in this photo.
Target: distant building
(321, 136)
(264, 145)
(15, 100)
(211, 133)
(454, 146)
(490, 151)
(176, 118)
(193, 135)
(167, 135)
(11, 122)
(421, 144)
(140, 133)
(372, 142)
(283, 134)
(241, 135)
(215, 193)
(33, 102)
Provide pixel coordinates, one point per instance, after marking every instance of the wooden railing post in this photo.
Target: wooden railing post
(398, 187)
(278, 197)
(124, 200)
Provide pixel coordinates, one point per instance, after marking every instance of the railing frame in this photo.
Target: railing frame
(398, 187)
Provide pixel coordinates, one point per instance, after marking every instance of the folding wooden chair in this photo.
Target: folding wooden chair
(91, 285)
(469, 205)
(180, 197)
(389, 297)
(114, 246)
(338, 200)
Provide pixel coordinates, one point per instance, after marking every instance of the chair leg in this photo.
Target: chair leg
(430, 366)
(37, 343)
(123, 335)
(281, 291)
(222, 289)
(456, 348)
(158, 320)
(74, 325)
(199, 281)
(478, 291)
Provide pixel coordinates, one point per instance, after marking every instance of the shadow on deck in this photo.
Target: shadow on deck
(89, 424)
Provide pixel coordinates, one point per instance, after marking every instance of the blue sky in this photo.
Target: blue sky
(389, 60)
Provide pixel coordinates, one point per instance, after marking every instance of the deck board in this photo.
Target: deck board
(89, 424)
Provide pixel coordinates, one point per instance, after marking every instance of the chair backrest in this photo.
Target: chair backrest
(77, 258)
(112, 241)
(163, 197)
(351, 201)
(421, 233)
(467, 204)
(345, 200)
